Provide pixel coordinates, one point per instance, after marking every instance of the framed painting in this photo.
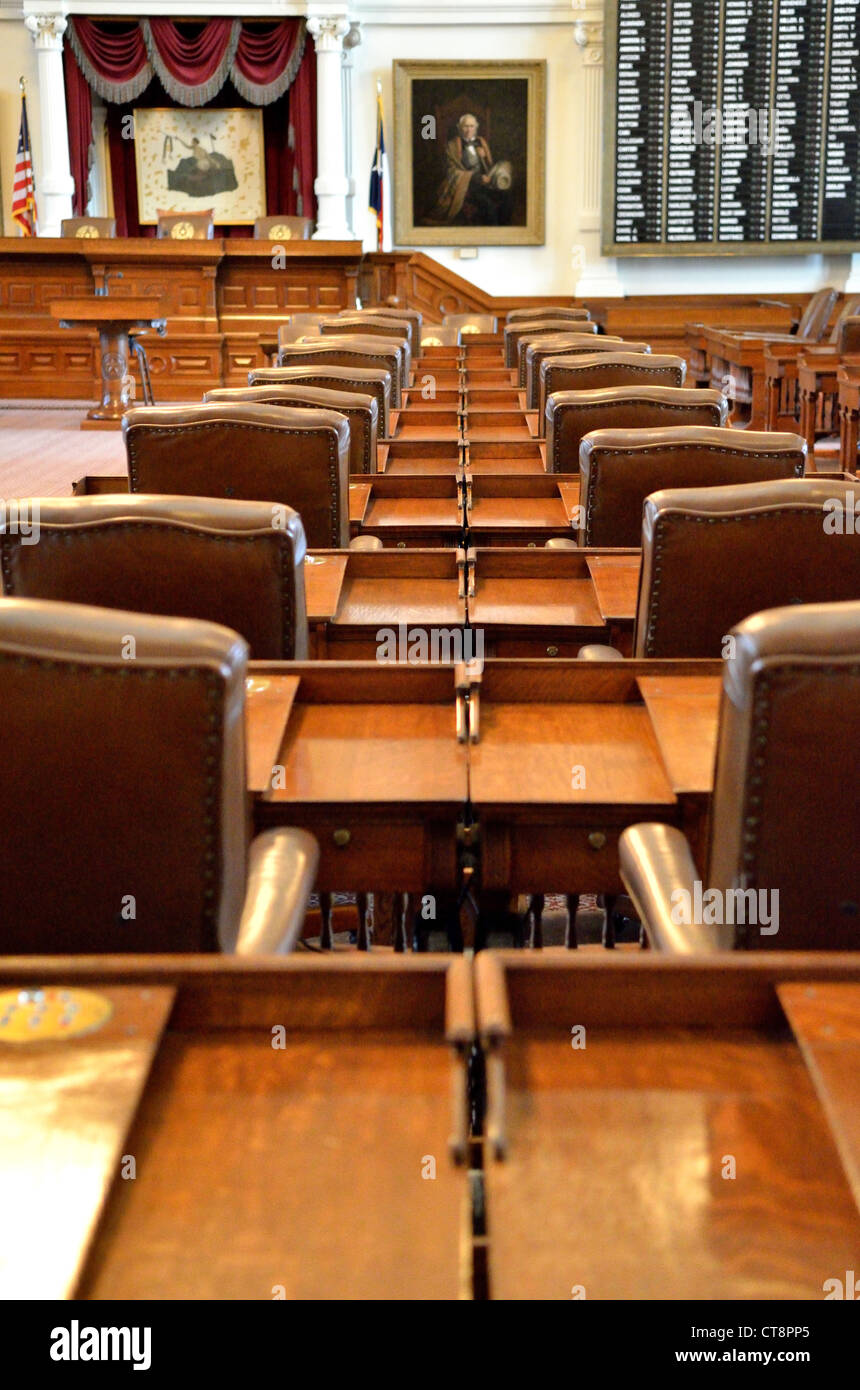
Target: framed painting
(188, 158)
(469, 153)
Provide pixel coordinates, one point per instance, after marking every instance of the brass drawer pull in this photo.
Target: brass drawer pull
(597, 839)
(342, 838)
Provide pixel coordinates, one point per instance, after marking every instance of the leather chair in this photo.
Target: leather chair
(377, 325)
(370, 381)
(785, 805)
(472, 323)
(260, 453)
(532, 352)
(123, 802)
(541, 311)
(240, 564)
(186, 226)
(571, 415)
(389, 311)
(381, 353)
(533, 327)
(590, 371)
(88, 227)
(360, 410)
(385, 330)
(279, 228)
(712, 556)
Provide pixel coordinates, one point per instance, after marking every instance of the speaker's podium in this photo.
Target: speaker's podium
(115, 319)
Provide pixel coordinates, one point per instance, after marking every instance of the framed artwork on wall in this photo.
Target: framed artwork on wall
(187, 158)
(469, 153)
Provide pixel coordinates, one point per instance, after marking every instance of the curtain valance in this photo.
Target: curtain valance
(192, 60)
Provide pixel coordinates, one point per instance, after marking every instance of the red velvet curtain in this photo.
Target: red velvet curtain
(265, 63)
(79, 106)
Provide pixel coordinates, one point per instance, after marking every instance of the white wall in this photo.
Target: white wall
(17, 59)
(534, 269)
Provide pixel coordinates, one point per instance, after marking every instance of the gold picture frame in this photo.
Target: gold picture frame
(193, 158)
(487, 189)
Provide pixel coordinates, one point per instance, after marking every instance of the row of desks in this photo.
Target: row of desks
(522, 602)
(531, 768)
(299, 1128)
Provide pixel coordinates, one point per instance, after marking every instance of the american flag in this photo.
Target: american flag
(24, 184)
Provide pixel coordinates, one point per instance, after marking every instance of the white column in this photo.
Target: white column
(54, 182)
(596, 274)
(98, 205)
(331, 185)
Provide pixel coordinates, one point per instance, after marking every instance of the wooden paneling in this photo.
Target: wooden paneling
(220, 298)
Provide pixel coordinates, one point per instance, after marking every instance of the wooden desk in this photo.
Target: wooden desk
(261, 1170)
(222, 300)
(504, 454)
(616, 584)
(534, 603)
(523, 509)
(412, 511)
(352, 595)
(612, 1185)
(567, 755)
(848, 382)
(114, 318)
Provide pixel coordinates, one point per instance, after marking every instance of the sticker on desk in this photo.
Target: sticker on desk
(49, 1015)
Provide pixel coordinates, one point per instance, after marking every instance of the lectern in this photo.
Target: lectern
(114, 318)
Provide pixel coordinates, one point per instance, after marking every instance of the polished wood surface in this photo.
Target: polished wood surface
(65, 1110)
(616, 585)
(223, 299)
(684, 712)
(614, 1184)
(268, 701)
(262, 1171)
(825, 1019)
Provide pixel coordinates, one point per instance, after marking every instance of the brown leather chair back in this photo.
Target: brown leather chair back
(533, 351)
(533, 327)
(259, 453)
(816, 316)
(576, 336)
(472, 323)
(374, 331)
(382, 353)
(377, 325)
(240, 564)
(283, 228)
(786, 802)
(845, 336)
(360, 410)
(546, 311)
(186, 226)
(389, 311)
(712, 556)
(88, 227)
(370, 381)
(571, 415)
(590, 371)
(122, 782)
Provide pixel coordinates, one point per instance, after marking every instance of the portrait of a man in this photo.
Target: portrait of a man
(474, 191)
(469, 156)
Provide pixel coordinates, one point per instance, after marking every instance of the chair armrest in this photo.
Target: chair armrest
(365, 543)
(657, 866)
(560, 543)
(594, 652)
(282, 866)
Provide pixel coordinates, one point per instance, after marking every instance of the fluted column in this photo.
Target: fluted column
(54, 182)
(331, 185)
(596, 274)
